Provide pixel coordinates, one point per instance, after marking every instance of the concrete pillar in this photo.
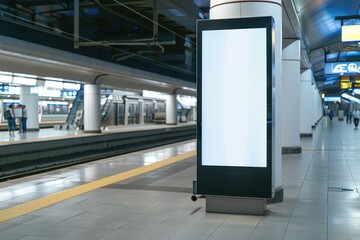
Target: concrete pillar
(316, 100)
(126, 115)
(2, 110)
(221, 9)
(31, 101)
(92, 115)
(315, 105)
(306, 102)
(171, 109)
(291, 96)
(141, 111)
(320, 104)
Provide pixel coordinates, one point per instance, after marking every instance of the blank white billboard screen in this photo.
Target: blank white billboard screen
(234, 97)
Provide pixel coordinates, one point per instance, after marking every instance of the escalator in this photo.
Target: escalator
(75, 118)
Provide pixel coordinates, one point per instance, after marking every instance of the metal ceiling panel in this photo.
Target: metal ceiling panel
(317, 19)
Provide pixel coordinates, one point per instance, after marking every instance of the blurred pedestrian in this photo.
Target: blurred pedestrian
(10, 117)
(348, 117)
(356, 115)
(331, 114)
(18, 115)
(24, 119)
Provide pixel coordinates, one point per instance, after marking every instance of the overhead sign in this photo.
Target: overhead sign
(332, 99)
(350, 33)
(345, 82)
(356, 85)
(341, 68)
(235, 145)
(68, 94)
(345, 85)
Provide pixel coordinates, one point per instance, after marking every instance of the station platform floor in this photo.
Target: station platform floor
(52, 133)
(321, 198)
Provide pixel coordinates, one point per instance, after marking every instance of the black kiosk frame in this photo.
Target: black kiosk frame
(235, 177)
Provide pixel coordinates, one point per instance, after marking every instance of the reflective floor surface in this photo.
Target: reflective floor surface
(320, 186)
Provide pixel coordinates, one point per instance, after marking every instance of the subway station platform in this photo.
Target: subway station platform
(52, 133)
(146, 195)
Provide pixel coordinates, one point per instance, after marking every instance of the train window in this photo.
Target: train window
(133, 113)
(161, 108)
(45, 110)
(148, 112)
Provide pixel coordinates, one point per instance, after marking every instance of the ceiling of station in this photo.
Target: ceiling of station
(321, 34)
(126, 32)
(123, 31)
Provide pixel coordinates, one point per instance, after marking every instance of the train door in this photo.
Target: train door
(133, 112)
(160, 106)
(120, 113)
(148, 111)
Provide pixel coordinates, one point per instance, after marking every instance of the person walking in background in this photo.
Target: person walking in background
(331, 114)
(10, 116)
(356, 115)
(24, 119)
(348, 114)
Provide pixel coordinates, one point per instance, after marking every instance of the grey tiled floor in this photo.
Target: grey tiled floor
(157, 205)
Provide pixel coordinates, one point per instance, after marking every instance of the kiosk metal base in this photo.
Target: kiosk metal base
(239, 205)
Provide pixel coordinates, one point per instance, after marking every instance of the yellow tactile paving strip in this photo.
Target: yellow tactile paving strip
(315, 149)
(27, 207)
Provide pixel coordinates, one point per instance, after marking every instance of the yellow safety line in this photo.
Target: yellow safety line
(27, 207)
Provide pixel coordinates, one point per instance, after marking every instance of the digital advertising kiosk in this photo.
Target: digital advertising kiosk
(235, 121)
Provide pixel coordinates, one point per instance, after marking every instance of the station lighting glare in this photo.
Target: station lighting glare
(46, 103)
(54, 79)
(11, 100)
(356, 91)
(153, 94)
(24, 75)
(54, 84)
(22, 80)
(350, 33)
(71, 86)
(189, 89)
(44, 92)
(350, 98)
(5, 73)
(6, 78)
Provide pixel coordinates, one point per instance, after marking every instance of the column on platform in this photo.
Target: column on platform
(31, 101)
(141, 112)
(306, 101)
(221, 9)
(171, 109)
(315, 92)
(320, 107)
(92, 115)
(291, 96)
